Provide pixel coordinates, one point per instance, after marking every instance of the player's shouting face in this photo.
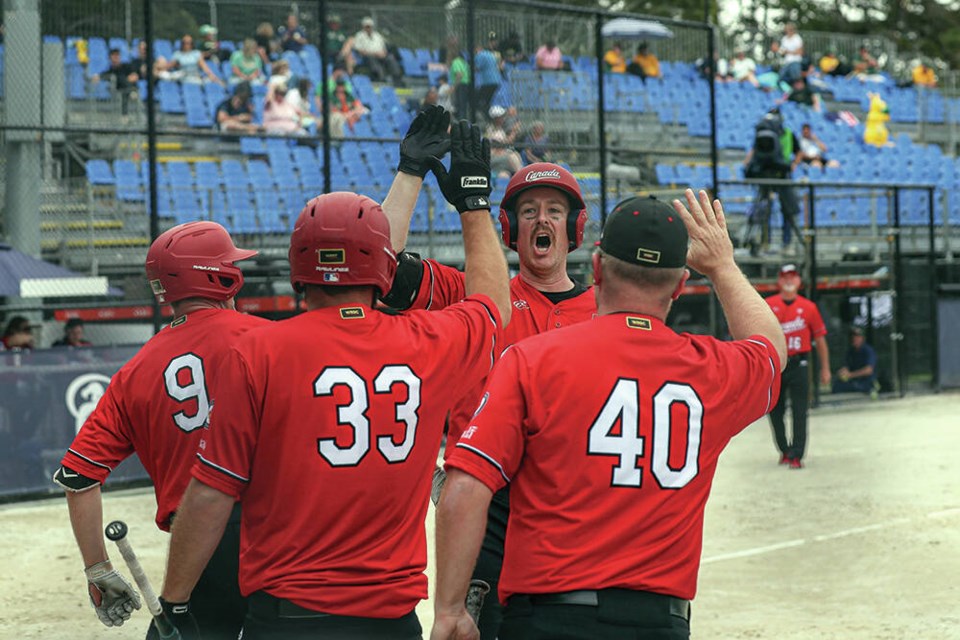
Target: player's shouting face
(542, 230)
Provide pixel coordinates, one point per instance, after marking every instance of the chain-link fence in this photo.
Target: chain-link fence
(117, 124)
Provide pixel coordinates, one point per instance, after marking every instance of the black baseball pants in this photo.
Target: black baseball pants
(490, 561)
(618, 615)
(272, 618)
(216, 601)
(795, 386)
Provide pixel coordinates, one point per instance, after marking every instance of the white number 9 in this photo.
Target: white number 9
(196, 389)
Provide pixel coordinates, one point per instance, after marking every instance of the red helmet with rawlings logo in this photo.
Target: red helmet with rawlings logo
(195, 260)
(543, 174)
(342, 239)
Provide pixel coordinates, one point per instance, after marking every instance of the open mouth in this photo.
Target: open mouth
(542, 242)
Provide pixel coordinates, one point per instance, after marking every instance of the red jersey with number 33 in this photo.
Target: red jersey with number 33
(533, 313)
(801, 322)
(156, 404)
(608, 433)
(329, 438)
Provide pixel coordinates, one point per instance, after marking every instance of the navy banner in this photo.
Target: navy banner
(45, 396)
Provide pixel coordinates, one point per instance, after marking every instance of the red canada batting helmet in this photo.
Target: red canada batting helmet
(342, 238)
(543, 174)
(195, 260)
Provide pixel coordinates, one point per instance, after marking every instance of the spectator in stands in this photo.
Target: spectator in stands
(548, 57)
(859, 373)
(813, 150)
(188, 65)
(866, 64)
(210, 45)
(121, 76)
(246, 64)
(236, 112)
(377, 57)
(18, 334)
(459, 77)
(924, 76)
(338, 44)
(280, 72)
(790, 46)
(801, 93)
(444, 94)
(73, 335)
(535, 145)
(298, 95)
(511, 49)
(279, 116)
(430, 98)
(644, 64)
(139, 64)
(504, 159)
(832, 65)
(267, 44)
(292, 36)
(343, 102)
(614, 60)
(744, 69)
(488, 77)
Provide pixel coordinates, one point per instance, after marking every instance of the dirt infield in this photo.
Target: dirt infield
(864, 543)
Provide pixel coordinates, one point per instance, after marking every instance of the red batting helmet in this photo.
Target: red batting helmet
(543, 174)
(342, 238)
(195, 260)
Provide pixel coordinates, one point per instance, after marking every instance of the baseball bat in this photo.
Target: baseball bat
(475, 595)
(117, 531)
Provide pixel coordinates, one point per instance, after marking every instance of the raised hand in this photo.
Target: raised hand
(426, 138)
(710, 245)
(467, 185)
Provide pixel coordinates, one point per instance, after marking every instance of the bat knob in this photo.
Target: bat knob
(116, 530)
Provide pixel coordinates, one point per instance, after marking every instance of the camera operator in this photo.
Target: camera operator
(775, 153)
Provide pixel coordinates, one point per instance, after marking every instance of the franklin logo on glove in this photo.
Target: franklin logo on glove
(474, 181)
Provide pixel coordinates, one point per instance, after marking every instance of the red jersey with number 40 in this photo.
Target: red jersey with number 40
(801, 322)
(329, 438)
(608, 433)
(533, 313)
(156, 404)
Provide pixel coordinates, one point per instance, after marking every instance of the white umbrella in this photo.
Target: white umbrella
(633, 29)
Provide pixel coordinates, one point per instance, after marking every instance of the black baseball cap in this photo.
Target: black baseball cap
(645, 231)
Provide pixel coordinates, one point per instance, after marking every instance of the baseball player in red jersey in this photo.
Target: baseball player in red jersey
(156, 406)
(329, 440)
(542, 218)
(804, 328)
(608, 433)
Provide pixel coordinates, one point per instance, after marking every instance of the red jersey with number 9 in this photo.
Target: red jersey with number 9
(329, 437)
(608, 433)
(800, 320)
(156, 404)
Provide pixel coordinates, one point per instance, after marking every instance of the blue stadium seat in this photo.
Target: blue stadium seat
(98, 172)
(250, 146)
(129, 183)
(198, 116)
(180, 175)
(208, 175)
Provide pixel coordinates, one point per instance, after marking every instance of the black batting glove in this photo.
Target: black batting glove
(426, 138)
(178, 613)
(467, 185)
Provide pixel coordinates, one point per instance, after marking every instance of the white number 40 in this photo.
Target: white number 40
(623, 404)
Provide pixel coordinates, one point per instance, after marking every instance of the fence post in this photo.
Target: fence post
(601, 115)
(932, 267)
(897, 335)
(151, 143)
